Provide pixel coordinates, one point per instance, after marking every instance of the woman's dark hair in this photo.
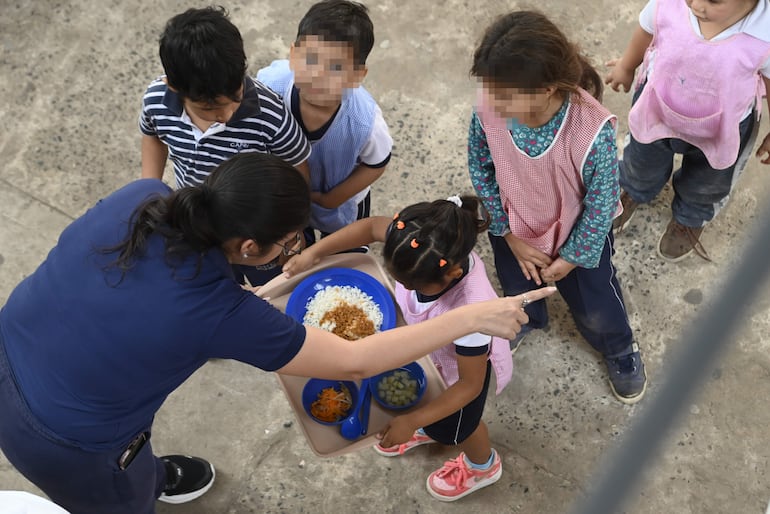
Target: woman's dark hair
(202, 55)
(251, 195)
(525, 50)
(340, 21)
(428, 238)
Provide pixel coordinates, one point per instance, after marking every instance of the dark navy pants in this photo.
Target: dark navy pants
(593, 296)
(82, 482)
(460, 425)
(699, 190)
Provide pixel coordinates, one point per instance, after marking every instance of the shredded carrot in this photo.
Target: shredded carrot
(331, 404)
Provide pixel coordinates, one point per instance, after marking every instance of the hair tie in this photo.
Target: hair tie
(441, 263)
(400, 225)
(414, 243)
(455, 200)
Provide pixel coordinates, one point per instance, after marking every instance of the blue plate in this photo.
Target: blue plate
(316, 282)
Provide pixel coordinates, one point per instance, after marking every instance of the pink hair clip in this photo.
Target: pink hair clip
(414, 243)
(442, 263)
(400, 225)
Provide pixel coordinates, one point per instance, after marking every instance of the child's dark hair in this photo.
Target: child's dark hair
(251, 195)
(341, 21)
(525, 50)
(428, 238)
(202, 55)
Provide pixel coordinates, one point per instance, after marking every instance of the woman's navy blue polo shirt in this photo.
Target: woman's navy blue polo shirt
(96, 356)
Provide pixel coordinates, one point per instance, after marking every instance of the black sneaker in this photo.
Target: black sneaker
(187, 478)
(627, 377)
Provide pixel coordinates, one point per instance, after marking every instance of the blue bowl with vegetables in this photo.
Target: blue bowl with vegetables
(400, 388)
(329, 402)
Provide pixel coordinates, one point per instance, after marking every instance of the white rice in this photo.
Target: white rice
(332, 296)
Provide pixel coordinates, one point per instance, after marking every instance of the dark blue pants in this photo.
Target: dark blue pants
(593, 296)
(83, 482)
(699, 190)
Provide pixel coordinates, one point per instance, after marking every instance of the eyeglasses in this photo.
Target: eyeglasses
(288, 251)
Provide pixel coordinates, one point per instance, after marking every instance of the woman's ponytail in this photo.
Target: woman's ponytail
(190, 211)
(250, 196)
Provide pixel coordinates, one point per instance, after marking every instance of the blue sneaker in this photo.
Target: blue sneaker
(628, 379)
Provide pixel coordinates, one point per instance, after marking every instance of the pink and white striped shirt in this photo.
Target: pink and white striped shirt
(472, 288)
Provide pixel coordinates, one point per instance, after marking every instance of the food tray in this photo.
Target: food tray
(326, 441)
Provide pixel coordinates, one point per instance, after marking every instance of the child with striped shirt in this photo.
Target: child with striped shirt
(205, 109)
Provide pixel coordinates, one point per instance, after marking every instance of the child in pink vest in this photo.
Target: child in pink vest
(542, 158)
(429, 251)
(705, 67)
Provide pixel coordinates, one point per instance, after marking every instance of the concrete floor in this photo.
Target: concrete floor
(71, 83)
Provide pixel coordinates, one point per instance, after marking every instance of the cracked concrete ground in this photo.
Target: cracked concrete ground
(72, 78)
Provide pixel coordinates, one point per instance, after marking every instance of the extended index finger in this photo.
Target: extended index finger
(534, 295)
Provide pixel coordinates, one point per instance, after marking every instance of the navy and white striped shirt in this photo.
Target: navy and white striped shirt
(262, 124)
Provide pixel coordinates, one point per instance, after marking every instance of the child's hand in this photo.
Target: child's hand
(618, 76)
(299, 263)
(318, 198)
(530, 259)
(557, 270)
(764, 149)
(399, 430)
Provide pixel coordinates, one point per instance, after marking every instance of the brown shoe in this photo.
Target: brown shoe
(678, 241)
(629, 206)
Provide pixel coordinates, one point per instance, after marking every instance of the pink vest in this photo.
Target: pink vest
(473, 288)
(697, 90)
(543, 195)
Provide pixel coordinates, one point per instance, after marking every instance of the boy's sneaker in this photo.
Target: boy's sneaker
(187, 478)
(417, 439)
(628, 379)
(456, 479)
(629, 207)
(678, 241)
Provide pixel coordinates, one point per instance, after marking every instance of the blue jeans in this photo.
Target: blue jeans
(699, 190)
(81, 481)
(592, 294)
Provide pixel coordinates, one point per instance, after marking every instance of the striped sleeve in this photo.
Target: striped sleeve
(286, 139)
(151, 104)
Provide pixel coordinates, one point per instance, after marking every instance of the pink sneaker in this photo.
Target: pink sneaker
(455, 479)
(417, 439)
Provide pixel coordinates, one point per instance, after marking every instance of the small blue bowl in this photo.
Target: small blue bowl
(313, 388)
(415, 372)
